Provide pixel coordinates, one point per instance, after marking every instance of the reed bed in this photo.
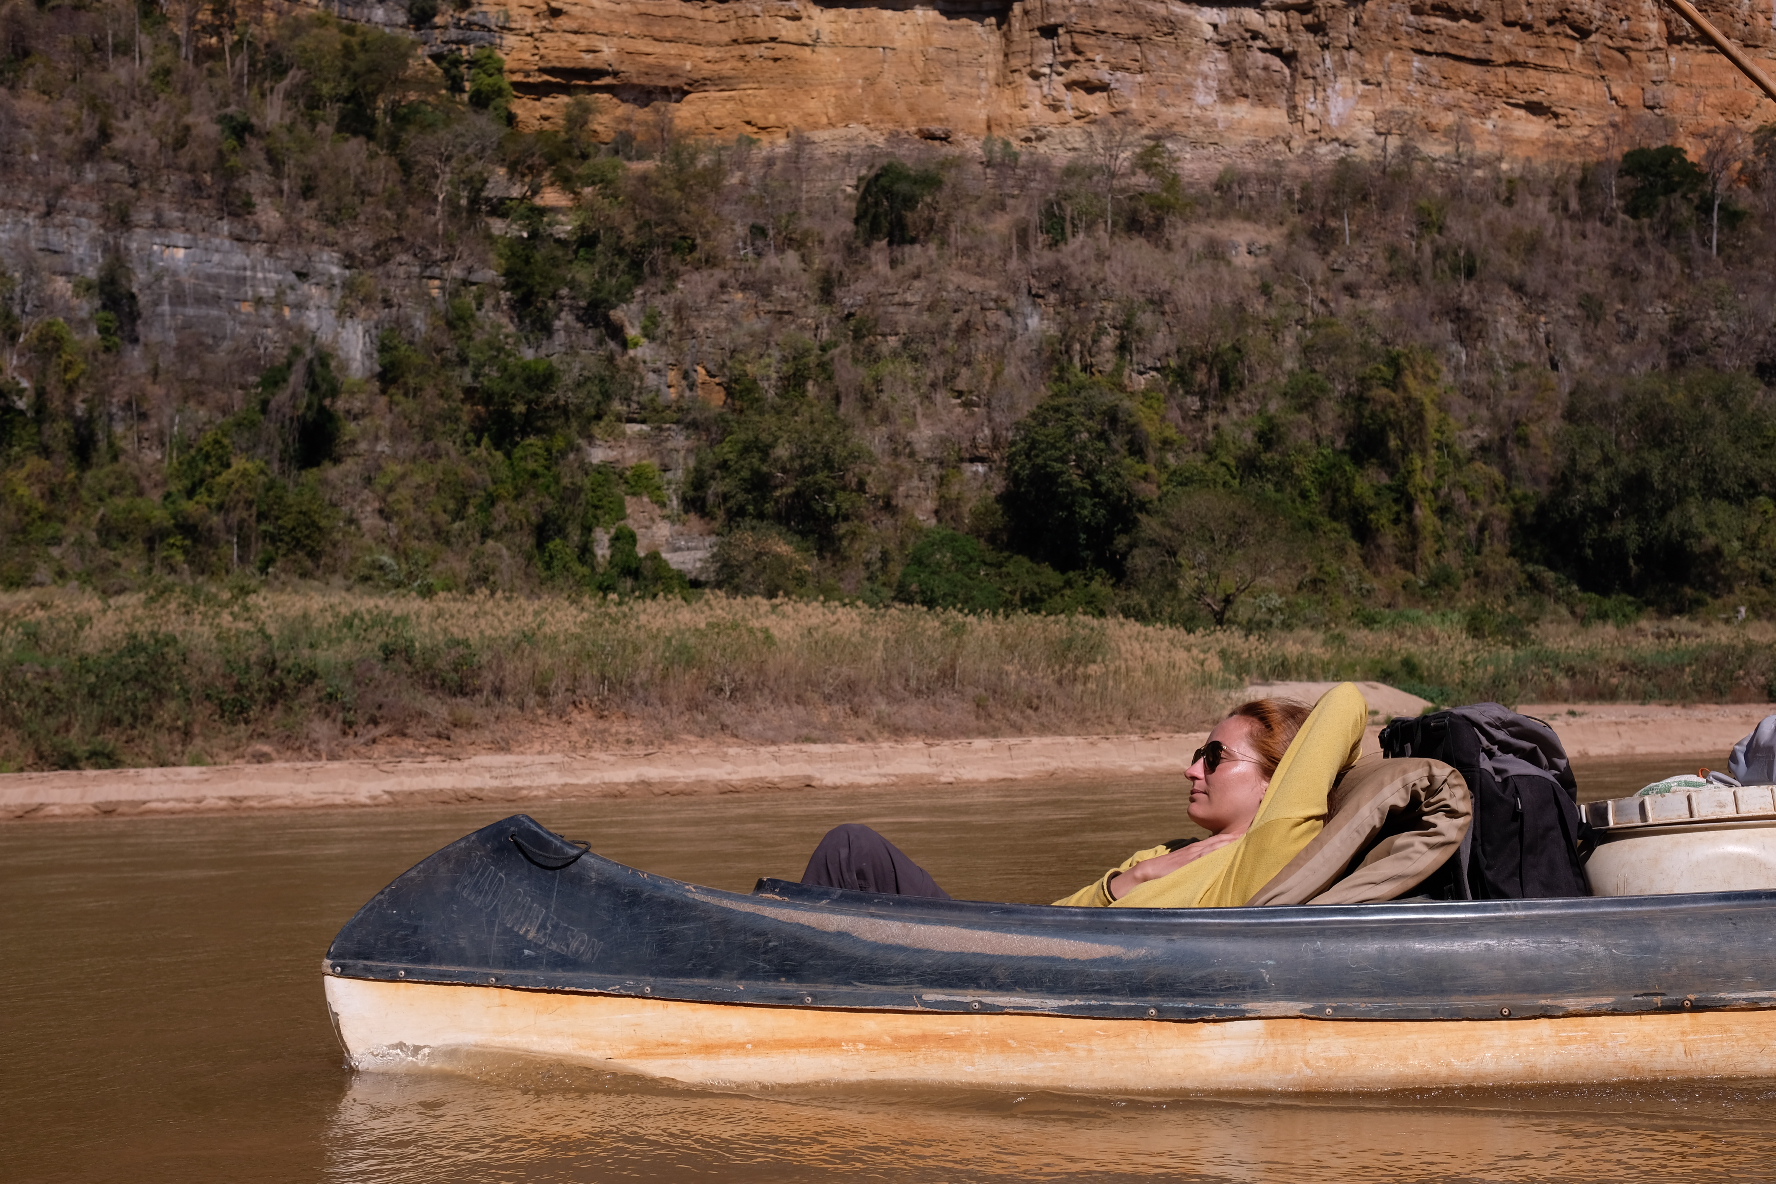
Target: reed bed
(193, 676)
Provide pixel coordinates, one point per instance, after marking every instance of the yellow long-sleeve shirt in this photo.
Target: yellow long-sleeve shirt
(1291, 815)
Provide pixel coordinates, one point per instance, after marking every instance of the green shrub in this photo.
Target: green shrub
(297, 524)
(793, 463)
(947, 569)
(627, 572)
(602, 503)
(643, 480)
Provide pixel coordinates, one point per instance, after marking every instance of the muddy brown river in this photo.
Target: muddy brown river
(164, 1021)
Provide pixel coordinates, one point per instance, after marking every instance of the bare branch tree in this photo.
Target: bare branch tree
(1396, 121)
(456, 162)
(1723, 152)
(1211, 547)
(1111, 143)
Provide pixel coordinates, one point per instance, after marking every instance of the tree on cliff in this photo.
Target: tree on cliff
(1206, 550)
(1663, 185)
(489, 90)
(1074, 476)
(1723, 150)
(892, 202)
(789, 461)
(1666, 489)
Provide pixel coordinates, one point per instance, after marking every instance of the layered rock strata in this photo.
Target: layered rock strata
(1521, 77)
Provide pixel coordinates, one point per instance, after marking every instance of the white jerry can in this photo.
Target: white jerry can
(1684, 836)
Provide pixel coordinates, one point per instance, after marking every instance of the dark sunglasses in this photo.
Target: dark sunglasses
(1213, 753)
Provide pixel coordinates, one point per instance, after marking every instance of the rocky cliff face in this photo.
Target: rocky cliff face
(211, 293)
(1524, 77)
(203, 294)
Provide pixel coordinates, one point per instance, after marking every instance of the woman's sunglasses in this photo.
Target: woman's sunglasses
(1213, 753)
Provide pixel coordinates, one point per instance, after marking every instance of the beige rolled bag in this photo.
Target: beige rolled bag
(1390, 823)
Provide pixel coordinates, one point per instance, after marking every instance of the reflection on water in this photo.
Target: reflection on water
(164, 1021)
(541, 1126)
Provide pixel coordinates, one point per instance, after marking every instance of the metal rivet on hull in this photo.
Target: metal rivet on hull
(1505, 1011)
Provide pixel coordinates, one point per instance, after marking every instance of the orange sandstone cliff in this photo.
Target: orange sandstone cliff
(1522, 77)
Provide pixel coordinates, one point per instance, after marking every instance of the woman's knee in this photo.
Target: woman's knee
(851, 831)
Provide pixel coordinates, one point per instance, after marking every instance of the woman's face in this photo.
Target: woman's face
(1228, 799)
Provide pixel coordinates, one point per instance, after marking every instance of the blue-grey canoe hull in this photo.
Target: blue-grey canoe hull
(515, 911)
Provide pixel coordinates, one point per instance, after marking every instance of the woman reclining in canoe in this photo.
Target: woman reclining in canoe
(1258, 787)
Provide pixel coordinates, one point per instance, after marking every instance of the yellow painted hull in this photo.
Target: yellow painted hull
(395, 1024)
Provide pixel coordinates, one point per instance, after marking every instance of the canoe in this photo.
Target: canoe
(514, 941)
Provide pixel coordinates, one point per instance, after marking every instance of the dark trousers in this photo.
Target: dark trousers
(854, 856)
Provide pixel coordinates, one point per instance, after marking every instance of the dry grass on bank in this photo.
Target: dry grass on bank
(193, 676)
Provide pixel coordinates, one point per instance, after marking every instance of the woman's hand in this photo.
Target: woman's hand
(1165, 865)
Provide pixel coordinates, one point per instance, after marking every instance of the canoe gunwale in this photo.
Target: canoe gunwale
(1123, 920)
(828, 997)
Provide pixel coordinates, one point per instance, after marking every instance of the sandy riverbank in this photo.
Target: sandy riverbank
(1589, 731)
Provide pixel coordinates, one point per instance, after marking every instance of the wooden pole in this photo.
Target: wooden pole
(1734, 54)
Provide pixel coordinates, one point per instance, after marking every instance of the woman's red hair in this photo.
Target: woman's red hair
(1274, 724)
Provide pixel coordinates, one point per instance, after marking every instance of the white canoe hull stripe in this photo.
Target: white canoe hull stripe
(386, 1025)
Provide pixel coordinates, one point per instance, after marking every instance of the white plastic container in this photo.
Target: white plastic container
(1714, 839)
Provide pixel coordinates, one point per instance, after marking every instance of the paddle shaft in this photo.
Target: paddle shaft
(1734, 54)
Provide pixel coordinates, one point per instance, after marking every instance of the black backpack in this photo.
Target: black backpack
(1526, 838)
